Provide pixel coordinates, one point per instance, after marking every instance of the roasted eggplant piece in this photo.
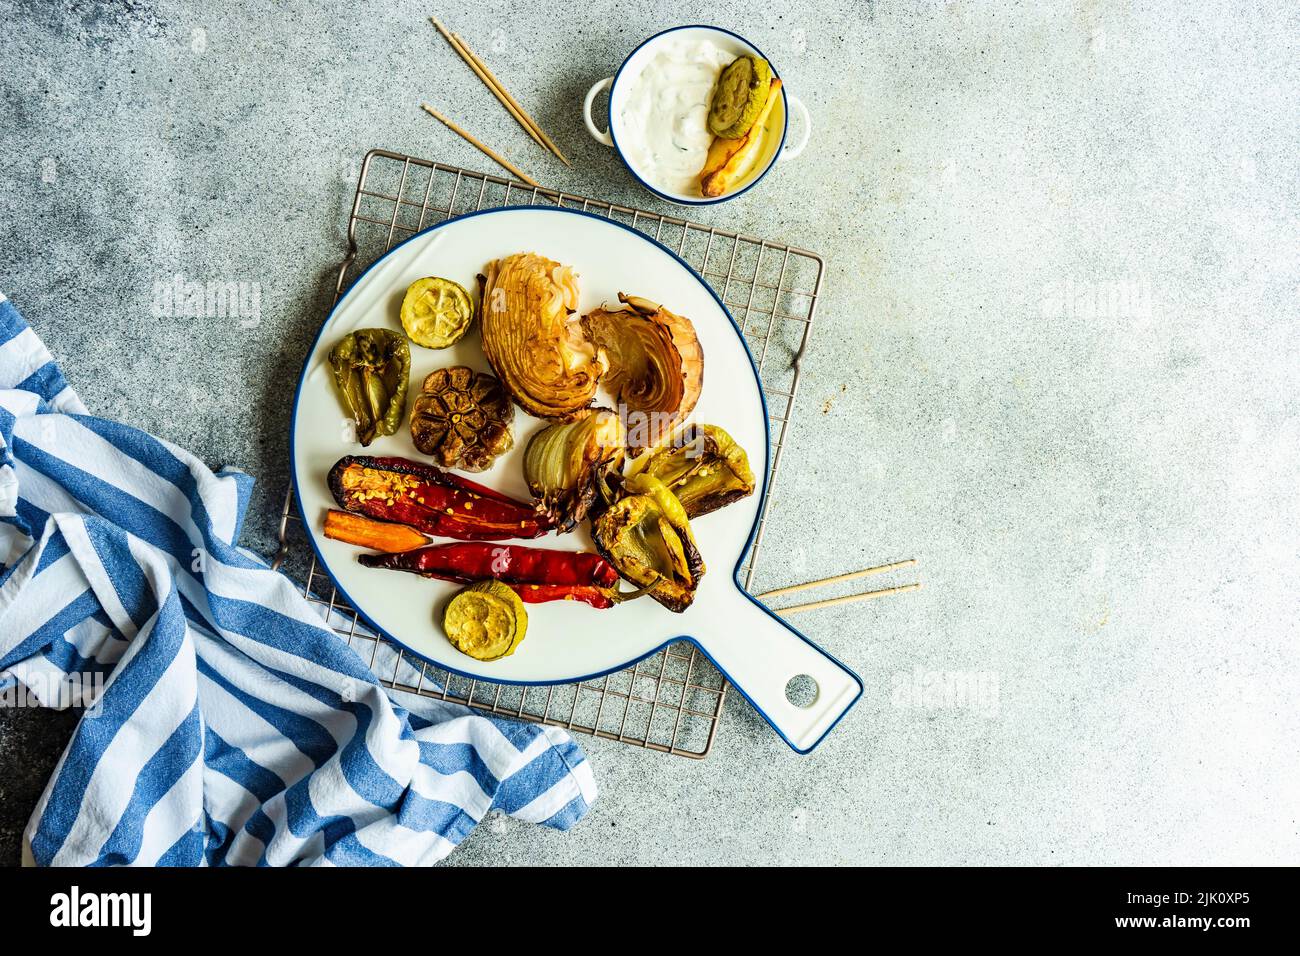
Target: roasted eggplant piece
(703, 467)
(430, 500)
(566, 464)
(656, 365)
(370, 370)
(530, 338)
(647, 537)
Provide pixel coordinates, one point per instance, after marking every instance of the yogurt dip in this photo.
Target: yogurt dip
(663, 124)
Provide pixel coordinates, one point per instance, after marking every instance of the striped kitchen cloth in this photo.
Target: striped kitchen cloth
(226, 724)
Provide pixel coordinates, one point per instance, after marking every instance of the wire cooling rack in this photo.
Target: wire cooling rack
(671, 701)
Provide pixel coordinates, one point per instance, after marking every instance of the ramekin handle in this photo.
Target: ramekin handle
(597, 134)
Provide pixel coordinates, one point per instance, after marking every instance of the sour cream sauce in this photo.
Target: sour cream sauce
(663, 128)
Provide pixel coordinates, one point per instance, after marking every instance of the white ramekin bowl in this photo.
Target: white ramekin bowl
(621, 82)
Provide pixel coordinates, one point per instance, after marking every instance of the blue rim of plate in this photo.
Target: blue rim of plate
(735, 575)
(683, 200)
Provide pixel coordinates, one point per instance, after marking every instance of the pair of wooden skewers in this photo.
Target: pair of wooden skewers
(847, 599)
(512, 106)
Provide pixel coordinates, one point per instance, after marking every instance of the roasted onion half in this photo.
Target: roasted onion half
(703, 466)
(656, 365)
(566, 464)
(531, 341)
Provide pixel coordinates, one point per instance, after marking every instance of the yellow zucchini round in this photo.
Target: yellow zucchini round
(487, 620)
(436, 312)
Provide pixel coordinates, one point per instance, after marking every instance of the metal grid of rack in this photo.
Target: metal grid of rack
(671, 701)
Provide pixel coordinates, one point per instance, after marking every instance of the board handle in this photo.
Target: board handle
(761, 655)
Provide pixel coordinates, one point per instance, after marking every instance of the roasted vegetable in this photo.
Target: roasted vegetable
(487, 621)
(430, 500)
(537, 575)
(436, 312)
(567, 462)
(530, 339)
(462, 418)
(370, 369)
(731, 160)
(739, 96)
(369, 533)
(542, 593)
(703, 467)
(469, 561)
(647, 537)
(656, 365)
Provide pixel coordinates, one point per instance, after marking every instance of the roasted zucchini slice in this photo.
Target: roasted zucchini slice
(487, 621)
(436, 312)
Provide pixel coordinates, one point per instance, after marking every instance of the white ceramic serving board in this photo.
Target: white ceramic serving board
(566, 641)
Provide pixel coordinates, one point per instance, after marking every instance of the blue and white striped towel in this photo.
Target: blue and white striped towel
(233, 727)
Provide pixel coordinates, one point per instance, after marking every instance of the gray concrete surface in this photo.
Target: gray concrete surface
(1101, 488)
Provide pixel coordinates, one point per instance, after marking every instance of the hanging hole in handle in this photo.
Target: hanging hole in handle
(801, 690)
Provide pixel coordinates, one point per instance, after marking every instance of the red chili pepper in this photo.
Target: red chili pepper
(470, 561)
(541, 593)
(430, 500)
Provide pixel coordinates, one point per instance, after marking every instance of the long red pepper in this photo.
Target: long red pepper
(469, 561)
(430, 500)
(541, 593)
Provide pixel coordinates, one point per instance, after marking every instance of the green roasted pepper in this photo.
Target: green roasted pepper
(704, 467)
(647, 537)
(371, 367)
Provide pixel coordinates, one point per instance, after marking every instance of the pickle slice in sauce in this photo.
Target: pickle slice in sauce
(436, 312)
(739, 96)
(487, 621)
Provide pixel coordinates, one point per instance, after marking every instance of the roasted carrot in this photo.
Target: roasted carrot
(369, 533)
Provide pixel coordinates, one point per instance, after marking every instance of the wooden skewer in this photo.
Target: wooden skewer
(852, 575)
(482, 74)
(464, 55)
(832, 602)
(486, 150)
(498, 87)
